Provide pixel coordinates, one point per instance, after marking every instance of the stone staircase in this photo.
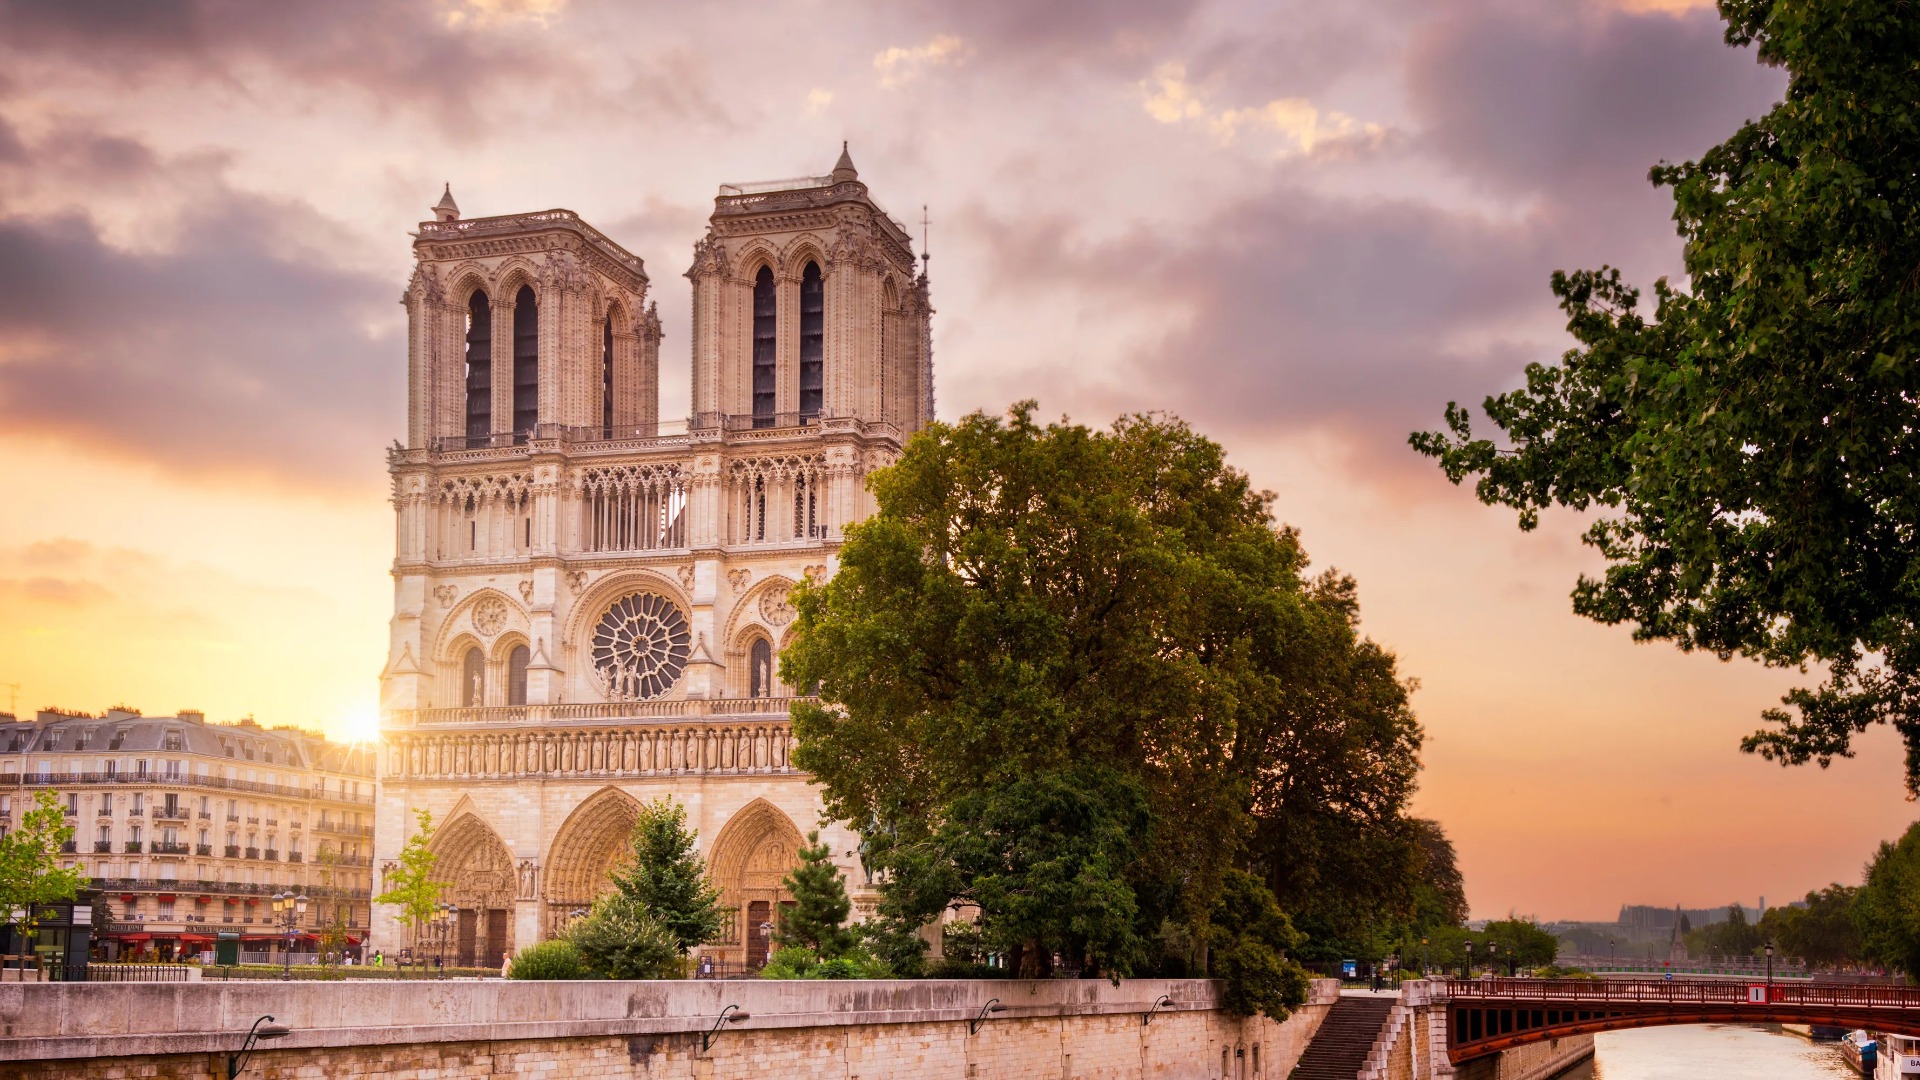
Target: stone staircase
(1339, 1048)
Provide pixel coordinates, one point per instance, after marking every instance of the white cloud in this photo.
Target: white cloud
(818, 99)
(488, 12)
(897, 65)
(1301, 125)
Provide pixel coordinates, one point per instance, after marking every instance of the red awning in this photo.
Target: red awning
(136, 937)
(166, 898)
(351, 940)
(127, 898)
(202, 938)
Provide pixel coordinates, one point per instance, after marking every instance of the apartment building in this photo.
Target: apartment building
(188, 828)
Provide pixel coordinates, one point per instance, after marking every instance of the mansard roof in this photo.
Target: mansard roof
(123, 732)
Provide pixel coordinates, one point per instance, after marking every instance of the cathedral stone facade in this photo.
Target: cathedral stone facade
(589, 603)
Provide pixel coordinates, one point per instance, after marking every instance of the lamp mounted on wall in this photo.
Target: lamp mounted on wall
(1164, 1002)
(992, 1006)
(256, 1034)
(728, 1015)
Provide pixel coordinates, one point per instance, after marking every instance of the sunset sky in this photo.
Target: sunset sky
(1304, 226)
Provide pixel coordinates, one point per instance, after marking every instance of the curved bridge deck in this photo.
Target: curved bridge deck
(1486, 1016)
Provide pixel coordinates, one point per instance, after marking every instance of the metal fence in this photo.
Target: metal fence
(138, 973)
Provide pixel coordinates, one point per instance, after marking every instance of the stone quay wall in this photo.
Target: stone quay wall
(1412, 1045)
(849, 1030)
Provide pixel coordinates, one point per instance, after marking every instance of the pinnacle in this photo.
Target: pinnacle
(446, 209)
(843, 169)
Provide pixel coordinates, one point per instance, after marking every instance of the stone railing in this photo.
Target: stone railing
(609, 711)
(718, 747)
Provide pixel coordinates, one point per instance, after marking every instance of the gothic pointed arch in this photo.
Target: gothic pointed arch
(591, 843)
(477, 868)
(749, 861)
(481, 616)
(766, 604)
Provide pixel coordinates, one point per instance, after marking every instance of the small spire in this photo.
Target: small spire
(843, 169)
(446, 209)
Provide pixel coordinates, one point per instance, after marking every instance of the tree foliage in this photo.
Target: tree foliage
(30, 872)
(666, 879)
(817, 921)
(1887, 910)
(1822, 932)
(621, 938)
(1731, 936)
(1749, 446)
(1520, 940)
(1252, 938)
(410, 882)
(1077, 677)
(554, 959)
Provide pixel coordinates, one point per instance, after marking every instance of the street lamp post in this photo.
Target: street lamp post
(1424, 969)
(443, 916)
(288, 909)
(1469, 958)
(1769, 972)
(1613, 955)
(1493, 959)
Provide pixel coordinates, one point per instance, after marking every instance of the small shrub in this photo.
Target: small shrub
(791, 962)
(557, 959)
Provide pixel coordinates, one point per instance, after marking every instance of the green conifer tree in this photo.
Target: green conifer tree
(667, 878)
(818, 918)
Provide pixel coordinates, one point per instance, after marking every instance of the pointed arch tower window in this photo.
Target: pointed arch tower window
(763, 352)
(479, 366)
(517, 675)
(473, 679)
(606, 376)
(813, 337)
(526, 360)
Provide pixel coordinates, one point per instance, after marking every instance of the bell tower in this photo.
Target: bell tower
(806, 307)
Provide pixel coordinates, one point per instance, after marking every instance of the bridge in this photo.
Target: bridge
(1487, 1016)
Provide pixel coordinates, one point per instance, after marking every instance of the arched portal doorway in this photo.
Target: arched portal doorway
(756, 849)
(595, 839)
(478, 869)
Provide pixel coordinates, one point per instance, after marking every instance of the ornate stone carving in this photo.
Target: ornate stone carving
(526, 590)
(685, 570)
(739, 579)
(774, 607)
(490, 616)
(576, 581)
(446, 594)
(709, 256)
(563, 271)
(815, 573)
(640, 647)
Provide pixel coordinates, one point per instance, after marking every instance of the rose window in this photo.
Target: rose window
(640, 647)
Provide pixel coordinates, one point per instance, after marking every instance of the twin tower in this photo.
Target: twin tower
(807, 306)
(590, 600)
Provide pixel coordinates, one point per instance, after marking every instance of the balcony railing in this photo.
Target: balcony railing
(233, 851)
(70, 848)
(133, 846)
(102, 847)
(161, 847)
(253, 853)
(270, 855)
(284, 791)
(294, 856)
(203, 849)
(169, 813)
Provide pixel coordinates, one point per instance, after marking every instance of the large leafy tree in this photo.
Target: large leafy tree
(1076, 677)
(1822, 931)
(1887, 910)
(30, 872)
(1750, 445)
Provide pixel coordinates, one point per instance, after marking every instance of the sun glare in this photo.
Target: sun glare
(362, 724)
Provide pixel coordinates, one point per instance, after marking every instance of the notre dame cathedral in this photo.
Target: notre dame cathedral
(588, 601)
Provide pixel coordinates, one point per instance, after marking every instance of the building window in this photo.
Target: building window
(813, 333)
(764, 306)
(760, 669)
(479, 366)
(526, 360)
(106, 802)
(606, 376)
(517, 675)
(473, 679)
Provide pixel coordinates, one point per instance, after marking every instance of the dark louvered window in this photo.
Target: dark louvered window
(813, 332)
(526, 360)
(517, 676)
(606, 377)
(479, 366)
(763, 312)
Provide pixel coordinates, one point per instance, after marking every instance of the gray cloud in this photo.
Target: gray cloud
(403, 54)
(234, 349)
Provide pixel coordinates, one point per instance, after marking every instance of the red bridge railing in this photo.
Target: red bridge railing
(1680, 992)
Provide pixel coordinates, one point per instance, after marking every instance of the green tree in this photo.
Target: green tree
(556, 958)
(1252, 938)
(1440, 892)
(667, 879)
(621, 938)
(1823, 932)
(1521, 941)
(818, 918)
(1075, 677)
(1745, 446)
(30, 871)
(410, 882)
(1887, 909)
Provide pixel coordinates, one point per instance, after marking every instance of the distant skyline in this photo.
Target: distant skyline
(1304, 227)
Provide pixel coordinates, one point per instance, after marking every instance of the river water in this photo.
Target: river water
(1710, 1052)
